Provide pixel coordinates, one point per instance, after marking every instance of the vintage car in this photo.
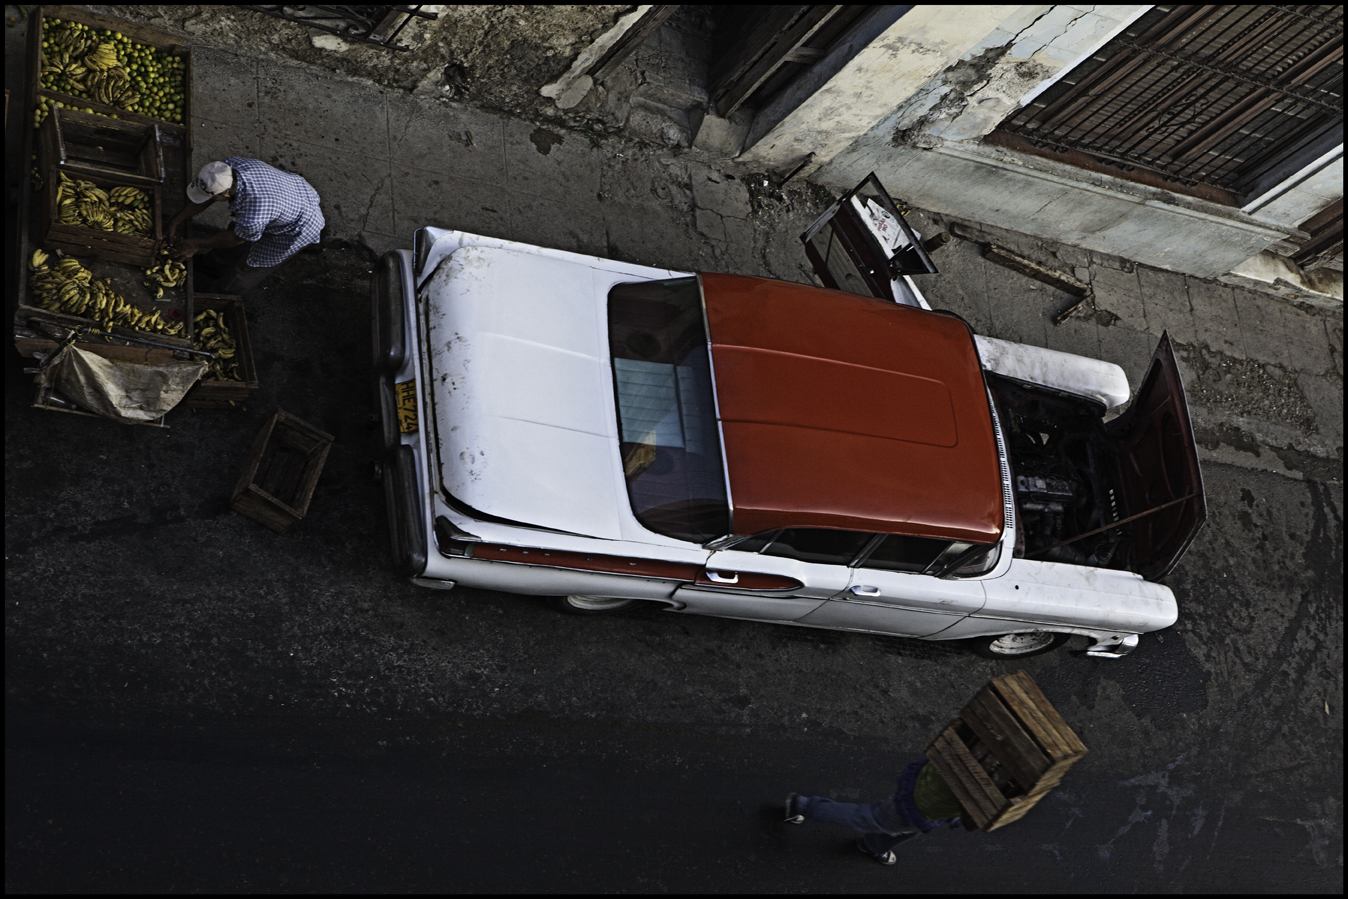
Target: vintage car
(603, 433)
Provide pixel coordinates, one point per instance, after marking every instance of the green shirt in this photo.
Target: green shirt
(933, 797)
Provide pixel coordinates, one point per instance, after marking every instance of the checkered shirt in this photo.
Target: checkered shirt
(274, 210)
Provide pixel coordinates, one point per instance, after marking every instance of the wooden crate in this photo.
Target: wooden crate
(216, 394)
(81, 144)
(1006, 751)
(281, 473)
(144, 34)
(77, 240)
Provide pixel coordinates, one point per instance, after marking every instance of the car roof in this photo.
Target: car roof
(843, 411)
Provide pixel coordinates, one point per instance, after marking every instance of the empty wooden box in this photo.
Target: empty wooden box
(1006, 751)
(83, 144)
(282, 471)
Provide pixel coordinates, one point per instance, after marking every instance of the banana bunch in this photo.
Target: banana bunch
(66, 38)
(168, 273)
(60, 64)
(129, 197)
(71, 288)
(53, 286)
(103, 57)
(212, 334)
(111, 87)
(69, 54)
(125, 210)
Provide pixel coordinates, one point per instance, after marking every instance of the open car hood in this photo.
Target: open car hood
(1158, 468)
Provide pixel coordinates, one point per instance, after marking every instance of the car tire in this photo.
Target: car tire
(589, 605)
(1008, 647)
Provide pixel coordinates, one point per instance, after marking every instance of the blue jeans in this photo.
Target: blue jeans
(881, 825)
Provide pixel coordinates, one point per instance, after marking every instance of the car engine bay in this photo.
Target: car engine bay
(1064, 472)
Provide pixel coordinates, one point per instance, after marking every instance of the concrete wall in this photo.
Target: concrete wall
(858, 99)
(914, 105)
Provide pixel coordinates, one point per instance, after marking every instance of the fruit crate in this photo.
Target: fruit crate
(78, 240)
(282, 471)
(1006, 751)
(225, 394)
(175, 133)
(81, 144)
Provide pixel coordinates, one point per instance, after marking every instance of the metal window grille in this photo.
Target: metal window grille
(378, 25)
(1203, 96)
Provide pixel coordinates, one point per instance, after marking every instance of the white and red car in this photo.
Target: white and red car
(606, 433)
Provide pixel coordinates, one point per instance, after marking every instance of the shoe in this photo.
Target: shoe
(793, 816)
(884, 858)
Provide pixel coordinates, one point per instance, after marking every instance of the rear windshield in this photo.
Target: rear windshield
(671, 446)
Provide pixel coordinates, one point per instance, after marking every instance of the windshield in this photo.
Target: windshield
(671, 446)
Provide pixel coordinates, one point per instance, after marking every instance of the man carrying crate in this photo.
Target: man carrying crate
(922, 803)
(274, 214)
(1007, 749)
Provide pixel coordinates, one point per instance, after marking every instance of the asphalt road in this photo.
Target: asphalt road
(195, 703)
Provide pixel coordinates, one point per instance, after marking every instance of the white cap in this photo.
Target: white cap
(214, 178)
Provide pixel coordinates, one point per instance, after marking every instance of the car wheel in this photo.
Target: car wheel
(1017, 646)
(589, 605)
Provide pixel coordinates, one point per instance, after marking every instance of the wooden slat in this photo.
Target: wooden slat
(999, 730)
(742, 36)
(27, 346)
(631, 39)
(1033, 719)
(966, 778)
(742, 87)
(949, 771)
(1017, 263)
(1013, 812)
(1031, 703)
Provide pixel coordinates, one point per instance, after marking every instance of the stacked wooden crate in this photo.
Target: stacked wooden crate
(1008, 748)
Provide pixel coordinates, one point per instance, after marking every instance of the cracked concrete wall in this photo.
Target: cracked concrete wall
(1005, 69)
(927, 147)
(912, 51)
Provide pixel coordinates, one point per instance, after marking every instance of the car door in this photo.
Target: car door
(889, 592)
(780, 576)
(862, 244)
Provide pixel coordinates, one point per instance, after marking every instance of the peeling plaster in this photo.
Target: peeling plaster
(969, 99)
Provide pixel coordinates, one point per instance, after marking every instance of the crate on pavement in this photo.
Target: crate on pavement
(82, 144)
(1007, 749)
(216, 393)
(282, 471)
(78, 240)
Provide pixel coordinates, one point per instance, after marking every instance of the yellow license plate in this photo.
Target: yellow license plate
(406, 392)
